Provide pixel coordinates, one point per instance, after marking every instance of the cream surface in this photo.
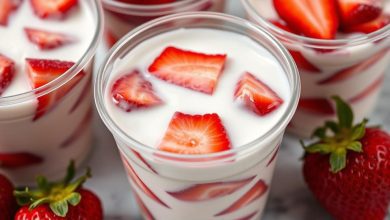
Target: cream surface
(243, 54)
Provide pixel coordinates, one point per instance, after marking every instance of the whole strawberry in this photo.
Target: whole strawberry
(60, 200)
(349, 172)
(8, 204)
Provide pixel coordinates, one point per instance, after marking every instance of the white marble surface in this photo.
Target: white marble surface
(289, 198)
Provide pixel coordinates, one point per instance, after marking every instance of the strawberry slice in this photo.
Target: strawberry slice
(354, 12)
(52, 8)
(257, 96)
(148, 2)
(369, 26)
(46, 40)
(369, 90)
(250, 216)
(274, 155)
(144, 210)
(192, 70)
(207, 191)
(111, 39)
(139, 156)
(303, 63)
(195, 134)
(316, 105)
(19, 160)
(85, 93)
(43, 71)
(354, 70)
(133, 91)
(282, 25)
(253, 194)
(139, 183)
(79, 131)
(6, 8)
(320, 21)
(7, 72)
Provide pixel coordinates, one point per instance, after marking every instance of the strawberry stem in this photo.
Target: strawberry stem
(337, 138)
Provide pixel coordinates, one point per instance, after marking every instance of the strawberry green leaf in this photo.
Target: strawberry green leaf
(338, 160)
(319, 148)
(344, 113)
(71, 171)
(319, 132)
(334, 127)
(42, 183)
(39, 202)
(60, 208)
(74, 198)
(355, 146)
(359, 131)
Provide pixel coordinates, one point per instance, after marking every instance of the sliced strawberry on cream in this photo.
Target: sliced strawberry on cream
(6, 8)
(316, 19)
(257, 96)
(255, 193)
(7, 72)
(192, 70)
(133, 91)
(19, 160)
(46, 40)
(320, 106)
(140, 184)
(52, 8)
(369, 26)
(207, 191)
(195, 134)
(41, 72)
(353, 12)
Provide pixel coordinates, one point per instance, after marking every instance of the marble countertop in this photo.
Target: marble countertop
(289, 198)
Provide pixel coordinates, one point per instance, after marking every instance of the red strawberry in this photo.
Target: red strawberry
(368, 91)
(354, 70)
(133, 91)
(192, 70)
(140, 184)
(46, 40)
(348, 168)
(59, 200)
(144, 210)
(8, 204)
(256, 95)
(195, 134)
(148, 2)
(7, 72)
(303, 63)
(369, 26)
(19, 160)
(6, 8)
(42, 72)
(207, 191)
(80, 130)
(52, 8)
(354, 12)
(316, 19)
(256, 192)
(316, 105)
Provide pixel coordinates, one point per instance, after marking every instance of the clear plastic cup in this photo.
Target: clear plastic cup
(352, 68)
(32, 145)
(239, 179)
(121, 17)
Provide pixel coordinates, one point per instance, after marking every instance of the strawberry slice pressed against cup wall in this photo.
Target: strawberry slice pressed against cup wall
(78, 132)
(140, 184)
(144, 210)
(255, 193)
(42, 72)
(320, 106)
(369, 90)
(19, 160)
(257, 96)
(192, 70)
(143, 160)
(207, 191)
(7, 72)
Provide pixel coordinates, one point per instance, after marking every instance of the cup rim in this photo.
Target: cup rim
(278, 128)
(70, 73)
(152, 10)
(313, 42)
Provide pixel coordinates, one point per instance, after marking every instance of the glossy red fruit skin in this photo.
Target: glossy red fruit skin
(361, 191)
(89, 208)
(7, 201)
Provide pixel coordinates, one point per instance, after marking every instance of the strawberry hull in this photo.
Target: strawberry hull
(351, 69)
(118, 23)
